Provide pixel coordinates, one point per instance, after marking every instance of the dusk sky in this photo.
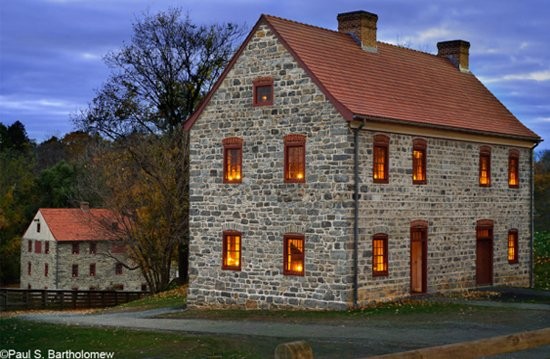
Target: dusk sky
(51, 51)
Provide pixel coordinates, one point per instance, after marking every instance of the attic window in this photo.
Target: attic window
(232, 160)
(263, 91)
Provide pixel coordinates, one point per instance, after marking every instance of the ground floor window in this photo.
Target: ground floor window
(294, 254)
(513, 246)
(231, 250)
(380, 254)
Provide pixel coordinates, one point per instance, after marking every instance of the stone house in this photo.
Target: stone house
(73, 249)
(329, 170)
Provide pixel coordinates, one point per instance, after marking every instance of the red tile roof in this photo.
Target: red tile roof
(75, 224)
(393, 84)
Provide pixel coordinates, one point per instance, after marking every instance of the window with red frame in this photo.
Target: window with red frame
(75, 270)
(485, 166)
(513, 169)
(263, 91)
(380, 159)
(29, 268)
(118, 269)
(380, 254)
(295, 159)
(93, 247)
(29, 246)
(37, 247)
(231, 250)
(513, 246)
(46, 269)
(76, 248)
(46, 247)
(232, 160)
(92, 269)
(419, 161)
(294, 258)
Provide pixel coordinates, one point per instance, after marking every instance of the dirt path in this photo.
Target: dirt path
(346, 338)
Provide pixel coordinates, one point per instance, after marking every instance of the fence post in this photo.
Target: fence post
(74, 298)
(44, 298)
(294, 350)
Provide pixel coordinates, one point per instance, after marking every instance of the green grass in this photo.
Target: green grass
(542, 260)
(168, 299)
(24, 335)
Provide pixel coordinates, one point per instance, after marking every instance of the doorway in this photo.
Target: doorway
(419, 256)
(484, 252)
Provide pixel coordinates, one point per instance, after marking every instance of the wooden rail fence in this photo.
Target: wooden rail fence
(17, 299)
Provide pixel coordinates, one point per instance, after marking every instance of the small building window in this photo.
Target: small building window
(232, 160)
(93, 247)
(513, 246)
(295, 159)
(92, 269)
(29, 246)
(37, 247)
(263, 91)
(29, 268)
(118, 269)
(485, 166)
(46, 268)
(75, 270)
(380, 159)
(380, 254)
(47, 247)
(76, 248)
(419, 161)
(231, 250)
(513, 169)
(37, 227)
(294, 254)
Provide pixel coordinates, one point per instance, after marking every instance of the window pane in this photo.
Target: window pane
(484, 170)
(232, 255)
(233, 164)
(513, 171)
(512, 247)
(264, 94)
(295, 256)
(295, 165)
(419, 171)
(380, 262)
(379, 163)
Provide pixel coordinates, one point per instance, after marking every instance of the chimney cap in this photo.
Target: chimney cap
(453, 44)
(357, 13)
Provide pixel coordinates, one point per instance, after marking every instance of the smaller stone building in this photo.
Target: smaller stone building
(76, 248)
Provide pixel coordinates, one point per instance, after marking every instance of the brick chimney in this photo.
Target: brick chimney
(362, 26)
(457, 51)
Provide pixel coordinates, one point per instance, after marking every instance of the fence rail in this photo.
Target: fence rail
(17, 299)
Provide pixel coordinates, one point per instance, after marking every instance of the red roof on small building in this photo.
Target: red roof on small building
(75, 224)
(391, 84)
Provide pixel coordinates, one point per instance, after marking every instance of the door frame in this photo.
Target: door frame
(422, 227)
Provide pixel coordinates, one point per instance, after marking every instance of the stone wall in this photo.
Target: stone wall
(263, 208)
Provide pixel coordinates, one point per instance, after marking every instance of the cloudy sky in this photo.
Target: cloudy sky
(51, 51)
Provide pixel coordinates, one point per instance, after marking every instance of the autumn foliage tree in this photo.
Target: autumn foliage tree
(157, 81)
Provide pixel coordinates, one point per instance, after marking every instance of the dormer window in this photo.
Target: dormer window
(232, 160)
(295, 159)
(263, 91)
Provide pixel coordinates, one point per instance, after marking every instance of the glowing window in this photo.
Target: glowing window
(295, 159)
(231, 250)
(263, 91)
(485, 166)
(419, 161)
(232, 160)
(380, 254)
(513, 246)
(380, 159)
(513, 169)
(293, 254)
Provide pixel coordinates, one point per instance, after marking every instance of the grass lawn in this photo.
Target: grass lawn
(24, 335)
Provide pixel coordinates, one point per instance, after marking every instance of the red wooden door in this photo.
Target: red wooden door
(484, 262)
(419, 244)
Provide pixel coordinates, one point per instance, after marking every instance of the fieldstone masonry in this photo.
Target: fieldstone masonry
(264, 208)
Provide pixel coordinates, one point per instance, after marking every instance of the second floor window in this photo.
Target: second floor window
(485, 166)
(29, 246)
(513, 169)
(37, 247)
(75, 270)
(118, 269)
(380, 159)
(293, 254)
(295, 159)
(46, 247)
(46, 269)
(419, 161)
(231, 250)
(76, 248)
(380, 254)
(29, 268)
(93, 247)
(232, 160)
